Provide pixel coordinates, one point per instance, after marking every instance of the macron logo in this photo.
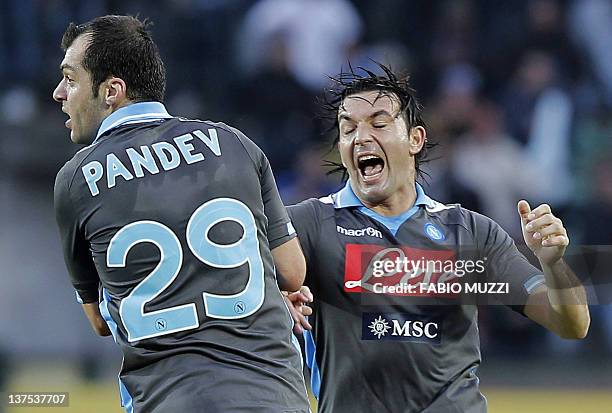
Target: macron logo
(369, 231)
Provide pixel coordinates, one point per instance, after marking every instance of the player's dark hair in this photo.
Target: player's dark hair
(360, 79)
(121, 46)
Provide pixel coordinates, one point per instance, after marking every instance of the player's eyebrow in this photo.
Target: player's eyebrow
(344, 116)
(382, 112)
(379, 113)
(66, 66)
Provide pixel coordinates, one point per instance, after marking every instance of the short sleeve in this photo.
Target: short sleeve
(307, 225)
(505, 263)
(279, 229)
(81, 268)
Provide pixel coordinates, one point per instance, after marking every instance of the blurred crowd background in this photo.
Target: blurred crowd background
(517, 93)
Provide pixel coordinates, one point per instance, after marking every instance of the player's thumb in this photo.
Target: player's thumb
(306, 291)
(523, 209)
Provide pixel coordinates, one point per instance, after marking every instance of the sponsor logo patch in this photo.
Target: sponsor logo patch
(372, 268)
(363, 232)
(400, 327)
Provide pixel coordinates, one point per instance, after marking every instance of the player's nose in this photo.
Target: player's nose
(362, 135)
(59, 94)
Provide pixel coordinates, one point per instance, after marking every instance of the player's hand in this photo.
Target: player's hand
(544, 233)
(296, 301)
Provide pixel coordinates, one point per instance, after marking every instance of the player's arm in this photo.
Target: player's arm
(92, 311)
(290, 265)
(560, 304)
(82, 271)
(286, 251)
(305, 220)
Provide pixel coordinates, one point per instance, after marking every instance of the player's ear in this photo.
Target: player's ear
(114, 91)
(417, 139)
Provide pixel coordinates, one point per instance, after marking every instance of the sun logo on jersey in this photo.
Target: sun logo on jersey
(379, 327)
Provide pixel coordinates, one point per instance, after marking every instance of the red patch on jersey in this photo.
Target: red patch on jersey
(399, 267)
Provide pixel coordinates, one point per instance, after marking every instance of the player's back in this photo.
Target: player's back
(180, 217)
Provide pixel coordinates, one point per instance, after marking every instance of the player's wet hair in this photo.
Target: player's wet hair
(121, 46)
(360, 79)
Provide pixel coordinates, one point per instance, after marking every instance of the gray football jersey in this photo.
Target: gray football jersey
(171, 223)
(379, 343)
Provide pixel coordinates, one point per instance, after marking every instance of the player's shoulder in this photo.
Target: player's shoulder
(446, 213)
(67, 172)
(477, 224)
(220, 127)
(228, 132)
(317, 209)
(455, 214)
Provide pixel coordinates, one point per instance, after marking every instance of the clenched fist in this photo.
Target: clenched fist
(543, 232)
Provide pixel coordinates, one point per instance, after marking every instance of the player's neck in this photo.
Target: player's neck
(399, 202)
(121, 104)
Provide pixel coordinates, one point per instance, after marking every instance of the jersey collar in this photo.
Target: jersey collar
(346, 198)
(136, 112)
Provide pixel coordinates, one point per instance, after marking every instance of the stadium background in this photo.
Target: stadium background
(518, 94)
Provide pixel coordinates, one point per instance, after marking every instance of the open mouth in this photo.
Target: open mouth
(370, 166)
(68, 122)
